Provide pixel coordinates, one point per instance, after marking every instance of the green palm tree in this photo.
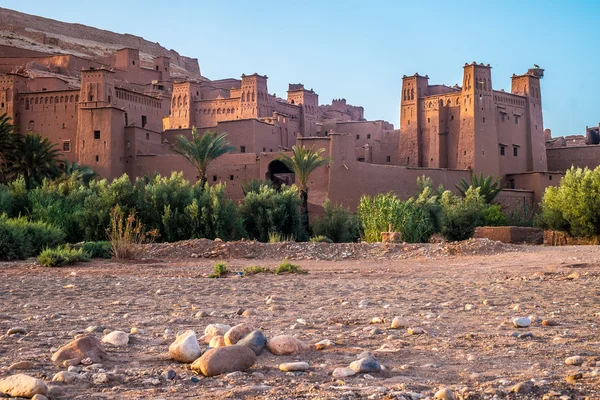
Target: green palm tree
(202, 150)
(36, 159)
(489, 188)
(73, 169)
(8, 145)
(303, 162)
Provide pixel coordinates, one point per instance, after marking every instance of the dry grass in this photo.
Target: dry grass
(127, 235)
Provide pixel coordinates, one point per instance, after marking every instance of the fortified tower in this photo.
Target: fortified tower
(163, 65)
(10, 87)
(255, 97)
(308, 100)
(184, 94)
(413, 88)
(478, 137)
(529, 85)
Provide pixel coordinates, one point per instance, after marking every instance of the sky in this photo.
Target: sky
(359, 50)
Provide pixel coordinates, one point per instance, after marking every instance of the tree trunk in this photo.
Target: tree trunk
(304, 209)
(203, 179)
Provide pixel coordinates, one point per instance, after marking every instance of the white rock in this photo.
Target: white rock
(116, 338)
(21, 385)
(575, 360)
(522, 322)
(66, 377)
(323, 344)
(213, 330)
(185, 348)
(294, 366)
(343, 372)
(399, 322)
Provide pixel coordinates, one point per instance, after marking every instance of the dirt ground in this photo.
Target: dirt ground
(463, 297)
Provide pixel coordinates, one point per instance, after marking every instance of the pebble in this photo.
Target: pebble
(255, 341)
(169, 375)
(575, 360)
(248, 312)
(343, 372)
(286, 345)
(369, 364)
(39, 397)
(21, 385)
(213, 330)
(66, 377)
(234, 375)
(233, 335)
(21, 365)
(217, 341)
(415, 331)
(444, 394)
(522, 322)
(201, 314)
(294, 366)
(526, 335)
(549, 322)
(323, 344)
(469, 307)
(136, 331)
(185, 348)
(399, 322)
(522, 387)
(225, 359)
(16, 330)
(116, 338)
(100, 378)
(574, 377)
(83, 348)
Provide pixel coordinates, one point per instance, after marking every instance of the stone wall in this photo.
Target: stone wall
(561, 159)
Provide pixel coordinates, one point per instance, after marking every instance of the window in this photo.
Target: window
(369, 136)
(96, 134)
(97, 158)
(264, 149)
(144, 121)
(66, 146)
(357, 137)
(516, 119)
(230, 177)
(502, 151)
(515, 151)
(147, 136)
(452, 118)
(484, 120)
(388, 159)
(428, 120)
(501, 117)
(550, 177)
(242, 149)
(214, 178)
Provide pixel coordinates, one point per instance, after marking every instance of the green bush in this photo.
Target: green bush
(61, 256)
(6, 200)
(320, 239)
(461, 216)
(270, 211)
(337, 224)
(286, 267)
(220, 270)
(492, 216)
(98, 249)
(21, 238)
(573, 206)
(255, 269)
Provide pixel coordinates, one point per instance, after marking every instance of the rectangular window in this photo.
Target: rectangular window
(515, 151)
(66, 146)
(516, 119)
(144, 121)
(230, 177)
(502, 150)
(96, 134)
(388, 159)
(147, 136)
(501, 117)
(97, 158)
(242, 149)
(369, 136)
(214, 178)
(357, 137)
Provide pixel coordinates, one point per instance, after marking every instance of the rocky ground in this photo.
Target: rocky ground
(457, 305)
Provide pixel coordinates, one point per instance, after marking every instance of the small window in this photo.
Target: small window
(388, 159)
(502, 151)
(147, 136)
(516, 120)
(230, 177)
(271, 150)
(515, 151)
(242, 149)
(66, 146)
(96, 134)
(428, 120)
(144, 121)
(369, 136)
(464, 153)
(264, 149)
(357, 137)
(214, 178)
(97, 158)
(133, 62)
(452, 118)
(484, 120)
(550, 177)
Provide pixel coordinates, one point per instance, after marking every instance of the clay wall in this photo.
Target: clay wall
(210, 112)
(537, 182)
(516, 201)
(561, 159)
(137, 106)
(45, 84)
(511, 122)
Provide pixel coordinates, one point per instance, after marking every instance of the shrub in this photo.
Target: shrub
(573, 206)
(220, 270)
(98, 249)
(6, 200)
(60, 256)
(276, 237)
(271, 211)
(255, 269)
(254, 185)
(337, 223)
(286, 267)
(21, 238)
(489, 188)
(127, 235)
(321, 239)
(461, 216)
(492, 216)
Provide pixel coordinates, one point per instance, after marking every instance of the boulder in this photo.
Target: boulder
(66, 377)
(81, 348)
(366, 365)
(223, 360)
(217, 341)
(343, 372)
(255, 341)
(233, 335)
(213, 330)
(286, 345)
(185, 348)
(21, 385)
(399, 322)
(116, 338)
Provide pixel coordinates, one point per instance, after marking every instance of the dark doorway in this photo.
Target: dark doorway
(279, 174)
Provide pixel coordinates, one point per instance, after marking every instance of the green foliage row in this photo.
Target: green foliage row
(21, 238)
(62, 255)
(98, 249)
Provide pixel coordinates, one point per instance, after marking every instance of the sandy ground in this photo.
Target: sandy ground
(470, 349)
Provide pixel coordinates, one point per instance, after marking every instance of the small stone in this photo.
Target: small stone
(377, 320)
(469, 307)
(255, 341)
(225, 359)
(86, 347)
(286, 345)
(39, 397)
(213, 330)
(526, 335)
(136, 331)
(185, 348)
(444, 394)
(217, 341)
(375, 331)
(574, 377)
(522, 387)
(169, 375)
(574, 275)
(201, 314)
(100, 378)
(415, 331)
(116, 338)
(549, 322)
(94, 329)
(522, 322)
(21, 365)
(248, 312)
(21, 385)
(66, 377)
(294, 366)
(234, 375)
(194, 379)
(323, 344)
(343, 372)
(16, 330)
(365, 365)
(400, 323)
(236, 333)
(575, 360)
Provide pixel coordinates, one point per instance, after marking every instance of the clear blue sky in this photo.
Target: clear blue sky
(359, 50)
